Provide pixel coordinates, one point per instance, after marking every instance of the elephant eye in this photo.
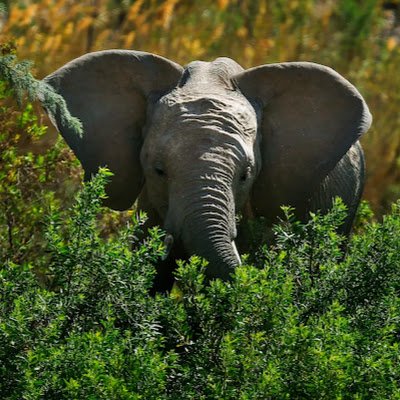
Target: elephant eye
(159, 171)
(244, 175)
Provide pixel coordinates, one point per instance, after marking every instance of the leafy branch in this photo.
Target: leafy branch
(16, 74)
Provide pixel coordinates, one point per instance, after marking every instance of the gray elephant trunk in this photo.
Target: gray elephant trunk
(208, 230)
(214, 245)
(221, 253)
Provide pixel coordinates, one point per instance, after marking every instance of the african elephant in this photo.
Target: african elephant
(197, 145)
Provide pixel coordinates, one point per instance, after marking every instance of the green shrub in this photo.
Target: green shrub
(313, 320)
(33, 175)
(92, 331)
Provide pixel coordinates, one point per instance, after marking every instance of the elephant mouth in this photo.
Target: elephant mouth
(168, 244)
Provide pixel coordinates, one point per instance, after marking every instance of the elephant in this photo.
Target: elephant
(195, 146)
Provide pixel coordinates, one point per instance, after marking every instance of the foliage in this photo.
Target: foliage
(30, 179)
(312, 320)
(95, 290)
(17, 76)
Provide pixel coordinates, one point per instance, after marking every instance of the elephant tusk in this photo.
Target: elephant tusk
(168, 242)
(235, 250)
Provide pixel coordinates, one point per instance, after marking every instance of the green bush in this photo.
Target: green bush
(33, 175)
(92, 331)
(314, 319)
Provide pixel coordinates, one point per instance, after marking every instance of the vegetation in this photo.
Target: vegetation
(311, 317)
(28, 179)
(309, 322)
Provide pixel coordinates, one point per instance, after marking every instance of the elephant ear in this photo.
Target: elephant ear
(108, 92)
(311, 116)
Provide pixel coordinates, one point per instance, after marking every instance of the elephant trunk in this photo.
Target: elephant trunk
(213, 243)
(208, 229)
(216, 248)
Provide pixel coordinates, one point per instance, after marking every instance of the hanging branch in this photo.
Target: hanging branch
(16, 74)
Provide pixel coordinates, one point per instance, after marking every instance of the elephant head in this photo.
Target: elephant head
(199, 144)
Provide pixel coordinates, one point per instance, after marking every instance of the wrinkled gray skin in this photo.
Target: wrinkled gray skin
(196, 146)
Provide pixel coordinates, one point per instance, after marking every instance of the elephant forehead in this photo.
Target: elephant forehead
(229, 114)
(215, 75)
